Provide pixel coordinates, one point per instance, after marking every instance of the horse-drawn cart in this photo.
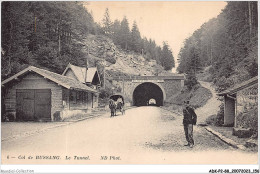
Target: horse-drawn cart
(116, 102)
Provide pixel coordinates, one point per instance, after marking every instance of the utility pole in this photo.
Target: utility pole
(35, 18)
(104, 73)
(123, 86)
(250, 20)
(86, 66)
(59, 35)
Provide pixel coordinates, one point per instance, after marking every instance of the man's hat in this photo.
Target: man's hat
(187, 102)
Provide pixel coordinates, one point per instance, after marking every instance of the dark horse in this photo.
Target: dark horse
(112, 106)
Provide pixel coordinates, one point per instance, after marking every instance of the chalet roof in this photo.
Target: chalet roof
(80, 72)
(240, 86)
(64, 81)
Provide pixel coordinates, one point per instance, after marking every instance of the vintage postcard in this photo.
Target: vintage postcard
(120, 82)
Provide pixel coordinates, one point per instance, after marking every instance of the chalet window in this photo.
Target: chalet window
(81, 96)
(95, 98)
(64, 95)
(73, 97)
(78, 95)
(84, 97)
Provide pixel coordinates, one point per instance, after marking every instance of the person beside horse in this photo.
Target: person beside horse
(120, 105)
(114, 105)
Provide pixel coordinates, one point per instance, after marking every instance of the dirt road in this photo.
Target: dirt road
(211, 107)
(145, 135)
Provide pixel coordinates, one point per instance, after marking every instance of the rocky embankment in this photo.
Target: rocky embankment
(119, 62)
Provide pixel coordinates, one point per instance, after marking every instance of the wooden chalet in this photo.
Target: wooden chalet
(36, 94)
(90, 77)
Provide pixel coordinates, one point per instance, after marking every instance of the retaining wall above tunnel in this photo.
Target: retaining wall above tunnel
(169, 85)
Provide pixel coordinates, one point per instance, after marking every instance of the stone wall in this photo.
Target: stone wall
(247, 107)
(56, 101)
(168, 86)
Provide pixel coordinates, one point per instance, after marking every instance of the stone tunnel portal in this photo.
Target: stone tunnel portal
(145, 92)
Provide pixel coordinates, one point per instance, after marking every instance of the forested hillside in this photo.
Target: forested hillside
(45, 34)
(52, 34)
(130, 39)
(226, 46)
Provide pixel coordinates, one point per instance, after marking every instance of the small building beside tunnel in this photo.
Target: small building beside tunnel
(241, 105)
(88, 76)
(36, 94)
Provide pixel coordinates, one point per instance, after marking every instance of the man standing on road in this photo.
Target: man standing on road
(189, 119)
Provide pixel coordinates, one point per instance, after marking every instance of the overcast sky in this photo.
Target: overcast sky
(171, 21)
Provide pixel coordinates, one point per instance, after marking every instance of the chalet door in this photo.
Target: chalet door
(33, 104)
(25, 105)
(229, 111)
(43, 104)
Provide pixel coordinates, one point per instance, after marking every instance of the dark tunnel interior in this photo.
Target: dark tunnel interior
(145, 92)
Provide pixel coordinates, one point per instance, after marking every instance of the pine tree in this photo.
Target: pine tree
(135, 42)
(107, 24)
(124, 33)
(167, 57)
(115, 28)
(17, 25)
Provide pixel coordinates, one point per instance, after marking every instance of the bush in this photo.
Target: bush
(105, 93)
(111, 60)
(223, 83)
(211, 120)
(248, 118)
(57, 116)
(10, 117)
(190, 81)
(217, 120)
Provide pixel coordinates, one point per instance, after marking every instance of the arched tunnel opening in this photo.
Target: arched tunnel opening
(148, 94)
